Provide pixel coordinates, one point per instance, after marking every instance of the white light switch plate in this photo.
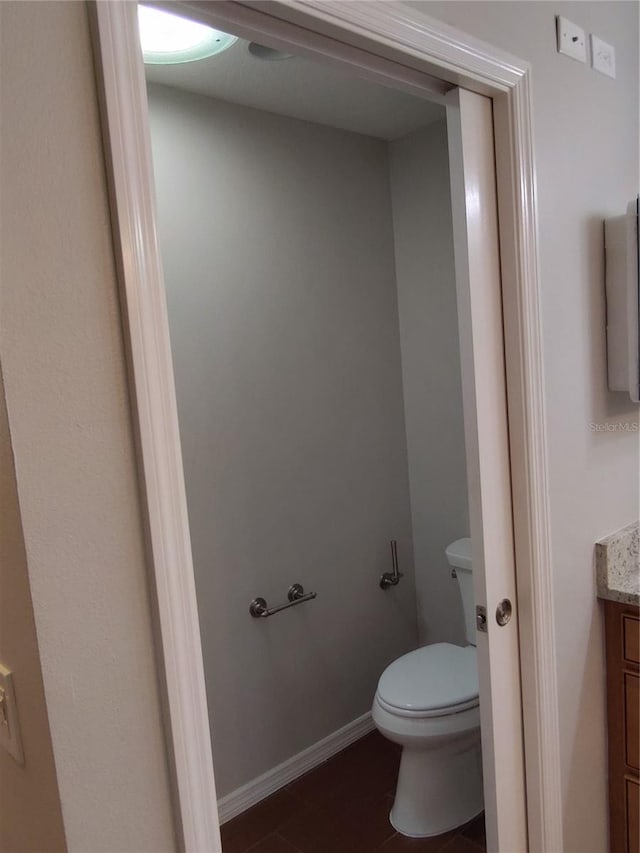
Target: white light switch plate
(9, 726)
(603, 57)
(571, 39)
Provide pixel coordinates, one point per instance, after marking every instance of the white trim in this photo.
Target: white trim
(248, 795)
(405, 35)
(128, 144)
(517, 202)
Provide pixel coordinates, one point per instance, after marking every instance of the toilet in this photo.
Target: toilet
(427, 701)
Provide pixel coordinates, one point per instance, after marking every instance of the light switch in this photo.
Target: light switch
(571, 39)
(9, 725)
(603, 57)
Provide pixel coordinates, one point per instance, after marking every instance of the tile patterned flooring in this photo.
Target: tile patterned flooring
(341, 806)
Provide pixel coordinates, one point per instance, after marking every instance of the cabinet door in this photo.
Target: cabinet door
(632, 719)
(623, 710)
(633, 816)
(631, 639)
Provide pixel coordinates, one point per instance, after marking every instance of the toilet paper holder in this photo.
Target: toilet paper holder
(391, 578)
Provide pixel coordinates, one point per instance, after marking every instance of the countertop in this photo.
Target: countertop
(618, 566)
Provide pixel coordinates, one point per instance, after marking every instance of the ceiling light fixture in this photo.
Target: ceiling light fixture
(168, 39)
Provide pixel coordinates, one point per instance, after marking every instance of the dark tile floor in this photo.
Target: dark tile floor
(342, 805)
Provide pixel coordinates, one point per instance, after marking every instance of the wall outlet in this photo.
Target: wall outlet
(571, 39)
(9, 726)
(603, 56)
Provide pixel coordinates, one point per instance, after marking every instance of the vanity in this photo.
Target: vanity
(618, 584)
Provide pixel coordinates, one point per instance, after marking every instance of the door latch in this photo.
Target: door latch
(481, 618)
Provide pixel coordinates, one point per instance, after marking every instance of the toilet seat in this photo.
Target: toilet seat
(432, 681)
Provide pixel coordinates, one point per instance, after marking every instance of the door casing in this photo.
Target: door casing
(380, 40)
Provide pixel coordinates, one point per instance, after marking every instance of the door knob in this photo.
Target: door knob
(503, 612)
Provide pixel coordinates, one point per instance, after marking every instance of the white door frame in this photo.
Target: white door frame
(422, 52)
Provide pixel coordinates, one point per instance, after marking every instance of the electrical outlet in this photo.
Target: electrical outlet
(571, 39)
(9, 726)
(603, 56)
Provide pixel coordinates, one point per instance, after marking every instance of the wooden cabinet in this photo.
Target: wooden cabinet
(622, 628)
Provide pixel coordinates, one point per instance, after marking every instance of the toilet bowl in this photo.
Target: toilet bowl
(427, 701)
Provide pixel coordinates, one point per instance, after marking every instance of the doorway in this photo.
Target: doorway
(305, 228)
(475, 358)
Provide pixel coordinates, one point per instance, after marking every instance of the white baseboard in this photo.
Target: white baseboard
(248, 795)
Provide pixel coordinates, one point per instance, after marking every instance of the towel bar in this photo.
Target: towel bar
(296, 595)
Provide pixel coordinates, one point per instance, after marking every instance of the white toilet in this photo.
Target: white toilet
(427, 701)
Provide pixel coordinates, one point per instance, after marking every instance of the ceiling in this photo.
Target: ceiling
(303, 89)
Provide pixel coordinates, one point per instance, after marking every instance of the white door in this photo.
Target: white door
(477, 260)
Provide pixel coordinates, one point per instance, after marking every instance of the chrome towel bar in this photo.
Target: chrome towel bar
(296, 595)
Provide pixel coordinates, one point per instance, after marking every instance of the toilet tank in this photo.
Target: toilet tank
(459, 558)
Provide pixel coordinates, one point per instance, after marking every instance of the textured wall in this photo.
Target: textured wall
(586, 147)
(66, 390)
(277, 245)
(425, 274)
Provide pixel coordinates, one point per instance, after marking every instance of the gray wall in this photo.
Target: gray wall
(425, 275)
(277, 246)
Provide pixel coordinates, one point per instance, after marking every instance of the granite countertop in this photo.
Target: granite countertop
(618, 566)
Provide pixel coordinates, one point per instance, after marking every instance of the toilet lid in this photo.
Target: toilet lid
(441, 677)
